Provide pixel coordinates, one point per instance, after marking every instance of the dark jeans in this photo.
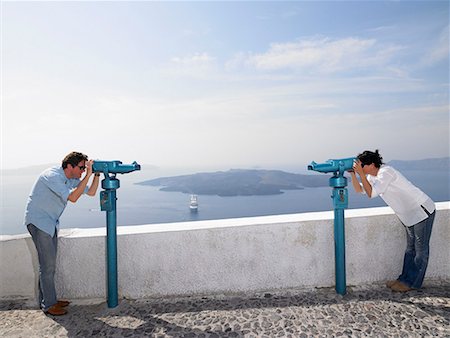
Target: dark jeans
(46, 248)
(417, 252)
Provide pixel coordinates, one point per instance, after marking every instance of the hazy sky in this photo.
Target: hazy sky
(224, 84)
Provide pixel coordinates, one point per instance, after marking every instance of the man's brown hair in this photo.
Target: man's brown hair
(73, 159)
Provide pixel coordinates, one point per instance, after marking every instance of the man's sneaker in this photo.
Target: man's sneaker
(55, 310)
(400, 287)
(62, 303)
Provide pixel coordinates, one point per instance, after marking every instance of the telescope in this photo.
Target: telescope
(108, 203)
(333, 166)
(340, 201)
(114, 167)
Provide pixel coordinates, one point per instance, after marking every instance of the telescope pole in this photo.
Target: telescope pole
(340, 201)
(108, 203)
(111, 244)
(339, 251)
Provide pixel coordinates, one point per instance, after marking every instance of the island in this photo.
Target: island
(239, 182)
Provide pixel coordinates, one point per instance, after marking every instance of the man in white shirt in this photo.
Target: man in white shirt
(412, 206)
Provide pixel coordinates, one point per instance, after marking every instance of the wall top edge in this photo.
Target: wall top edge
(222, 223)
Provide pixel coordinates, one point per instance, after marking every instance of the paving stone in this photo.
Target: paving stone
(365, 310)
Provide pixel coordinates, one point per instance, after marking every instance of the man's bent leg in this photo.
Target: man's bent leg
(46, 248)
(422, 244)
(410, 253)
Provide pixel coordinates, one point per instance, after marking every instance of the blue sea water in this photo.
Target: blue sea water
(138, 204)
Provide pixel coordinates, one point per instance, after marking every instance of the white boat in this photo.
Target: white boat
(193, 205)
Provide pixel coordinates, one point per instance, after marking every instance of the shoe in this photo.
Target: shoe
(62, 303)
(390, 283)
(400, 287)
(56, 311)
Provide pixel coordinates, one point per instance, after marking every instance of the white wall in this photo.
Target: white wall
(225, 256)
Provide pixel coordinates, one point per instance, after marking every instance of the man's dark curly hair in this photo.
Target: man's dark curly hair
(73, 159)
(368, 157)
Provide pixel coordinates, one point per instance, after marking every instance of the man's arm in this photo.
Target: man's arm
(355, 183)
(79, 190)
(93, 188)
(357, 167)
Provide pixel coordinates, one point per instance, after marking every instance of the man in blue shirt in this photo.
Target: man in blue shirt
(47, 201)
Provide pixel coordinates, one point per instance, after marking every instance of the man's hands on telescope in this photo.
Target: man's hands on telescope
(365, 186)
(357, 167)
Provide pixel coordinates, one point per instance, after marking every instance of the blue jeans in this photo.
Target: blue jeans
(417, 252)
(46, 247)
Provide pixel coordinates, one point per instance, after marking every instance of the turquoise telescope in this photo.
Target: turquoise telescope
(114, 167)
(108, 203)
(332, 166)
(340, 201)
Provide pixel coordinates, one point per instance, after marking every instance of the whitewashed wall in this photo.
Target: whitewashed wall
(225, 256)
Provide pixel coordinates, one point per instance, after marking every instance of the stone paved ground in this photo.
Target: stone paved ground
(371, 310)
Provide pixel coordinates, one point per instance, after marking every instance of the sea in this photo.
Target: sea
(140, 204)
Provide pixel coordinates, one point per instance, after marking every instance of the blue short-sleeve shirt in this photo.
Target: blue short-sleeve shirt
(48, 199)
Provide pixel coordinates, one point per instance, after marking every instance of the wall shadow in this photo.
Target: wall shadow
(198, 316)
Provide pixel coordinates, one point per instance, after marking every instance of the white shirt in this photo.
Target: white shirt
(401, 195)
